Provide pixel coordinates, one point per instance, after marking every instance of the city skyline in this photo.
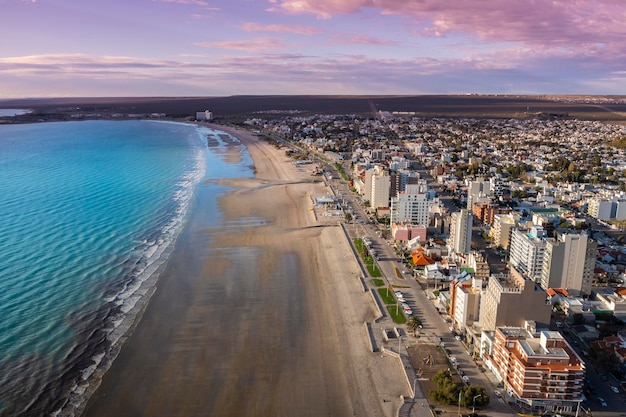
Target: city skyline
(63, 48)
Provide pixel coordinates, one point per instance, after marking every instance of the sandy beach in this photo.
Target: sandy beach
(262, 317)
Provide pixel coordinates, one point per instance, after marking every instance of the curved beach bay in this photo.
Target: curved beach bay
(89, 214)
(261, 314)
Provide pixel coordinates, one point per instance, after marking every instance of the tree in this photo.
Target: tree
(447, 391)
(467, 398)
(414, 323)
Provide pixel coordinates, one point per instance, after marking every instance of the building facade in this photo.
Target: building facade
(461, 223)
(540, 370)
(413, 206)
(527, 251)
(511, 300)
(569, 262)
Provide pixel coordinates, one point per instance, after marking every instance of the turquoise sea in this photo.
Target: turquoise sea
(89, 213)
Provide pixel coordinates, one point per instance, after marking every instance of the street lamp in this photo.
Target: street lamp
(474, 402)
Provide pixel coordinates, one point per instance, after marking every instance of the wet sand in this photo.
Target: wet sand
(262, 316)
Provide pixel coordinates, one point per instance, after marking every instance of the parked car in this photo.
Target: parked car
(497, 393)
(602, 402)
(466, 379)
(614, 389)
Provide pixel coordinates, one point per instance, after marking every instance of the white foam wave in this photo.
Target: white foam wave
(135, 294)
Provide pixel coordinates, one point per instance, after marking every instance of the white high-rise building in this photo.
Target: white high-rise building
(377, 187)
(501, 228)
(381, 184)
(527, 251)
(461, 223)
(569, 262)
(477, 191)
(600, 209)
(413, 206)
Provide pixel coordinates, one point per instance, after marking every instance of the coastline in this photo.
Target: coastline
(261, 316)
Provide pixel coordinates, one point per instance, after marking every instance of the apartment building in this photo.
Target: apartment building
(539, 369)
(460, 240)
(568, 262)
(501, 228)
(600, 209)
(511, 300)
(477, 190)
(527, 251)
(414, 205)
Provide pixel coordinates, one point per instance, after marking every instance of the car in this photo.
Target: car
(497, 393)
(457, 337)
(602, 402)
(614, 389)
(466, 379)
(452, 359)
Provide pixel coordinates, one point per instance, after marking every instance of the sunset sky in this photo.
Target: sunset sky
(65, 48)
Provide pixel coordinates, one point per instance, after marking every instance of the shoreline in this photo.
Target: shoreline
(267, 304)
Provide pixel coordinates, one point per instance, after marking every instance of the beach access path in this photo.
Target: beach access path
(263, 319)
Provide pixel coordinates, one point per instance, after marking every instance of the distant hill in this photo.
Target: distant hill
(609, 109)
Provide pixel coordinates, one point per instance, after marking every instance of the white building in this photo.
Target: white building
(501, 228)
(461, 223)
(477, 191)
(527, 251)
(204, 115)
(413, 206)
(568, 263)
(600, 209)
(379, 197)
(377, 186)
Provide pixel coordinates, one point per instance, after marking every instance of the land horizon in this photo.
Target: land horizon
(604, 108)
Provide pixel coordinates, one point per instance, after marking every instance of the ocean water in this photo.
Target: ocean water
(13, 112)
(89, 213)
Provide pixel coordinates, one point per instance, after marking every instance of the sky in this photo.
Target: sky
(115, 48)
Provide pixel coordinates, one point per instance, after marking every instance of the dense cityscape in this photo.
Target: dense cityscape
(517, 224)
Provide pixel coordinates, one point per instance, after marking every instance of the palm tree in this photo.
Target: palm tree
(414, 323)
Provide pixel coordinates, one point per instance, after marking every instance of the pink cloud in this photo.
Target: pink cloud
(256, 44)
(571, 22)
(200, 3)
(295, 29)
(284, 73)
(360, 40)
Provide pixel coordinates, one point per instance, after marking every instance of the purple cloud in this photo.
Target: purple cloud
(256, 44)
(537, 22)
(275, 28)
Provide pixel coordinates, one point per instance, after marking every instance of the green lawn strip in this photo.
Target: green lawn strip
(396, 313)
(371, 266)
(387, 296)
(378, 282)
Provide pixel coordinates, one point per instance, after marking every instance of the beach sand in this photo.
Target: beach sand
(262, 317)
